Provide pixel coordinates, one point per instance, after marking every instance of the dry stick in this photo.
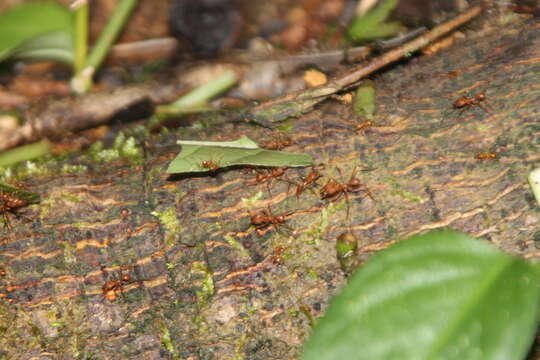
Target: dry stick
(296, 103)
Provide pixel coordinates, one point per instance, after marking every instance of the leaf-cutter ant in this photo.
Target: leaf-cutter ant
(363, 125)
(333, 190)
(210, 165)
(12, 198)
(265, 218)
(466, 102)
(486, 156)
(112, 288)
(310, 179)
(268, 175)
(278, 143)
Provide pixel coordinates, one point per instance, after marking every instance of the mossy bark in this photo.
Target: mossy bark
(203, 284)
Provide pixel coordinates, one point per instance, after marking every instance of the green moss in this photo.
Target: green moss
(398, 191)
(250, 202)
(236, 245)
(70, 169)
(166, 340)
(123, 147)
(169, 220)
(314, 233)
(200, 269)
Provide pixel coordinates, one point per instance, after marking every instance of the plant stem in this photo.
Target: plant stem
(198, 97)
(82, 81)
(25, 152)
(81, 35)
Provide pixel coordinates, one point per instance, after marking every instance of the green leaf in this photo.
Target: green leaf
(437, 296)
(372, 26)
(223, 155)
(243, 143)
(364, 101)
(54, 46)
(32, 21)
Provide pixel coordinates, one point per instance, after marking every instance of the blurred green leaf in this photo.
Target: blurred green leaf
(372, 25)
(226, 154)
(43, 28)
(441, 295)
(364, 101)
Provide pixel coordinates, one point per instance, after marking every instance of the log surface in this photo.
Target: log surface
(204, 284)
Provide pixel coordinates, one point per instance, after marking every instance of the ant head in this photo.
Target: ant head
(481, 96)
(354, 182)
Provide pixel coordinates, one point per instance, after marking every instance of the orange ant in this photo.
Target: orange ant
(111, 288)
(486, 156)
(466, 102)
(267, 176)
(363, 125)
(278, 143)
(333, 190)
(310, 179)
(265, 218)
(277, 258)
(210, 165)
(12, 198)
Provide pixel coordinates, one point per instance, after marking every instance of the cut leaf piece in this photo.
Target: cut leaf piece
(364, 100)
(29, 21)
(437, 296)
(199, 158)
(243, 143)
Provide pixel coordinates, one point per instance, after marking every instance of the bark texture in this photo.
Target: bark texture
(204, 284)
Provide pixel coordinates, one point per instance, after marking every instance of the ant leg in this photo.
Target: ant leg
(348, 204)
(483, 107)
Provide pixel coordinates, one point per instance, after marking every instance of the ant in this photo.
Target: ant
(466, 102)
(363, 125)
(333, 190)
(210, 165)
(277, 257)
(2, 272)
(310, 179)
(486, 156)
(267, 176)
(280, 142)
(12, 198)
(265, 218)
(111, 288)
(8, 202)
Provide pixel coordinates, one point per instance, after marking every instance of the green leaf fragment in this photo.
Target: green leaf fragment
(364, 101)
(437, 296)
(222, 155)
(244, 143)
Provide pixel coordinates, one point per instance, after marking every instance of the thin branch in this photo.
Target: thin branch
(300, 102)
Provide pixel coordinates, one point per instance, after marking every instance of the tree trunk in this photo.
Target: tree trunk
(195, 281)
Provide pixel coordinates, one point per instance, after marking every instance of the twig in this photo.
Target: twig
(300, 102)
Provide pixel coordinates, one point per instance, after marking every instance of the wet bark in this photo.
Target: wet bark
(203, 284)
